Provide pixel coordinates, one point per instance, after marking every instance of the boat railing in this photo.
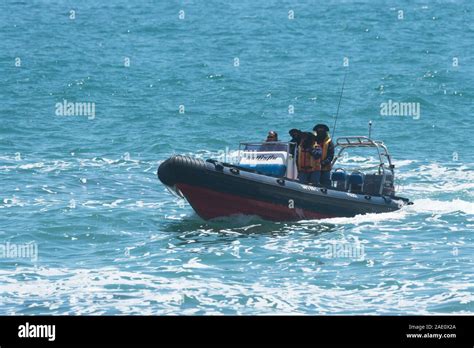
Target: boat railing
(358, 141)
(385, 166)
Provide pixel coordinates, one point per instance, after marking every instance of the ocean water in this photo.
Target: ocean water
(197, 77)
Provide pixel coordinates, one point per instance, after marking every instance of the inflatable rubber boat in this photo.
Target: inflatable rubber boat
(262, 182)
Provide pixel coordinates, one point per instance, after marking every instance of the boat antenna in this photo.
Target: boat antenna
(370, 128)
(338, 105)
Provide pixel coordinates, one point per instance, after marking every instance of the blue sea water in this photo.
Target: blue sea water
(112, 240)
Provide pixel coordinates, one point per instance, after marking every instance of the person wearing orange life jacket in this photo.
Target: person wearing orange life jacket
(309, 159)
(327, 148)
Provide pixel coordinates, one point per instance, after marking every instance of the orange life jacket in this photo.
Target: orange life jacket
(306, 162)
(325, 146)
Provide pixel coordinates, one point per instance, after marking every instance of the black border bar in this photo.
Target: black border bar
(243, 330)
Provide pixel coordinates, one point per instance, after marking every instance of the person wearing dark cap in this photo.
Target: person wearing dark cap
(295, 135)
(327, 146)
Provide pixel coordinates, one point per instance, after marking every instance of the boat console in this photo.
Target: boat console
(271, 158)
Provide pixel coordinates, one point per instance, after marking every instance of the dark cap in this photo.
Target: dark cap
(319, 126)
(294, 130)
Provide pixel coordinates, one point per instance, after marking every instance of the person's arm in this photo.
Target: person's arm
(330, 155)
(317, 152)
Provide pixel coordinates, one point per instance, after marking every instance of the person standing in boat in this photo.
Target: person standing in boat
(295, 135)
(327, 152)
(309, 159)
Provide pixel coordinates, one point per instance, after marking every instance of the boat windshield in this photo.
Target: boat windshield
(266, 146)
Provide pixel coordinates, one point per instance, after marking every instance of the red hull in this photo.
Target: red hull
(211, 204)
